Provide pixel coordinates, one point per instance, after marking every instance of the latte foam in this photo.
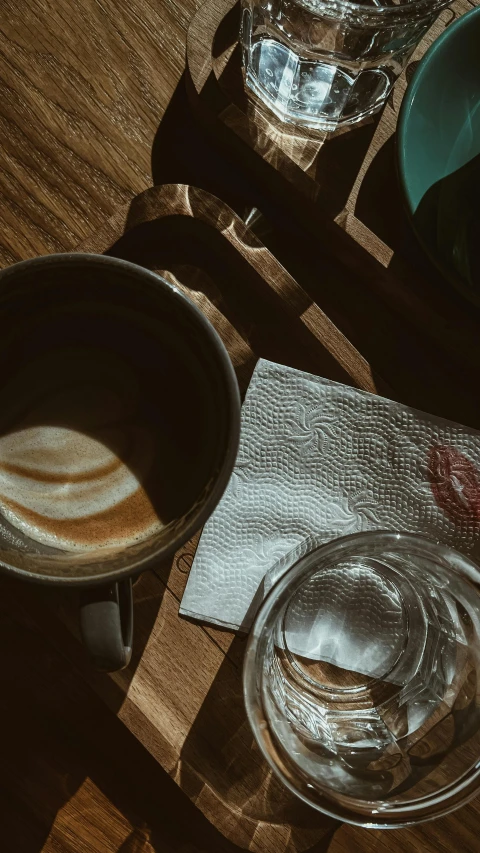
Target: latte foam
(95, 446)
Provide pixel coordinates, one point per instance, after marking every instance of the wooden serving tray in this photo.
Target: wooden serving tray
(341, 189)
(182, 694)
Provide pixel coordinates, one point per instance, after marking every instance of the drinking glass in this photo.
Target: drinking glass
(327, 63)
(361, 678)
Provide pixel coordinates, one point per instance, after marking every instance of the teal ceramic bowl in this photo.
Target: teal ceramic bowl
(438, 145)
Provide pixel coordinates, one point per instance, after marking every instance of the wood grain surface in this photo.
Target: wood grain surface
(90, 107)
(84, 86)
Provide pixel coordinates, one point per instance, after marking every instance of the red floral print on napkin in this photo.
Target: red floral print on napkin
(455, 483)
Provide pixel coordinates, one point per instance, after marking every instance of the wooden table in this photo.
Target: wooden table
(92, 112)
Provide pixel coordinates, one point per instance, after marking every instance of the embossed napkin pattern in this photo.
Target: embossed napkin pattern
(321, 459)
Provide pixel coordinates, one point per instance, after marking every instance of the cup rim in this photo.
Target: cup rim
(335, 805)
(233, 403)
(373, 14)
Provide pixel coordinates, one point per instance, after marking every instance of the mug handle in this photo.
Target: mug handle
(106, 624)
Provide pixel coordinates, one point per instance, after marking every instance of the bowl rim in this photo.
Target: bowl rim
(401, 136)
(411, 92)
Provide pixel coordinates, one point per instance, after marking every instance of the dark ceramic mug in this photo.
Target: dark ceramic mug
(119, 428)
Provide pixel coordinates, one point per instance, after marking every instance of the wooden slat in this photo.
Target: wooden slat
(83, 89)
(157, 205)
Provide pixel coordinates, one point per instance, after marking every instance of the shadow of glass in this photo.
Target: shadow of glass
(379, 203)
(338, 163)
(182, 152)
(230, 79)
(227, 32)
(234, 768)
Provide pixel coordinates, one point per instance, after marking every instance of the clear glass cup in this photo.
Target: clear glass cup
(327, 63)
(361, 678)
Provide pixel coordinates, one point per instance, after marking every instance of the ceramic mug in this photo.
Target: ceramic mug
(119, 428)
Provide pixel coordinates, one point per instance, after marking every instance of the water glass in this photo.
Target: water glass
(327, 63)
(361, 678)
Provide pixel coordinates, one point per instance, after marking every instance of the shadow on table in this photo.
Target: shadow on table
(450, 363)
(70, 769)
(374, 305)
(416, 334)
(182, 153)
(220, 754)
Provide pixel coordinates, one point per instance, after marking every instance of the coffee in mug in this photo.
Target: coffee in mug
(118, 426)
